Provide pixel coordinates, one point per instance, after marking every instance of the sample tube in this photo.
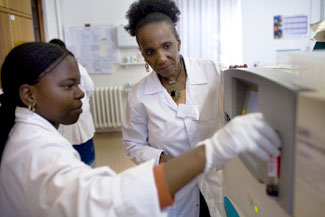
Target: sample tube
(272, 186)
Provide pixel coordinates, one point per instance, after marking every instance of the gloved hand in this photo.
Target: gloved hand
(244, 133)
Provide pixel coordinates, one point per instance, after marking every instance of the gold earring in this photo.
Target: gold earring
(32, 108)
(147, 67)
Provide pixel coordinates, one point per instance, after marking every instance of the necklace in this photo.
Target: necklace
(173, 91)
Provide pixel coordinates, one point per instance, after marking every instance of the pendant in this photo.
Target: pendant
(174, 93)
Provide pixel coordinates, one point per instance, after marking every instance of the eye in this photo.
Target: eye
(149, 52)
(167, 46)
(69, 86)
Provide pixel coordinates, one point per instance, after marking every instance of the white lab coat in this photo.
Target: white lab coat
(41, 175)
(154, 123)
(84, 129)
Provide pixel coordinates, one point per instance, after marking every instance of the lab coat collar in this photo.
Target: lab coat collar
(154, 85)
(24, 115)
(192, 73)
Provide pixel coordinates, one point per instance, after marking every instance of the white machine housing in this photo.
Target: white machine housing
(275, 95)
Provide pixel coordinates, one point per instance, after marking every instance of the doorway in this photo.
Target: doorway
(38, 24)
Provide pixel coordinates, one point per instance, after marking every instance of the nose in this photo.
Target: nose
(161, 57)
(79, 94)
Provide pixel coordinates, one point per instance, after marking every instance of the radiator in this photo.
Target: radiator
(106, 106)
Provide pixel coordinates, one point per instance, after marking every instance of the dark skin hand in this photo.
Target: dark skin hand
(237, 66)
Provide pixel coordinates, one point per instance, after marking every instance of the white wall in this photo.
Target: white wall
(97, 12)
(258, 43)
(50, 19)
(66, 13)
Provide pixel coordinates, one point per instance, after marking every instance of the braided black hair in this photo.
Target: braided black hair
(143, 12)
(23, 65)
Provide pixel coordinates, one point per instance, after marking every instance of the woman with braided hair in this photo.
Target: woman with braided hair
(41, 174)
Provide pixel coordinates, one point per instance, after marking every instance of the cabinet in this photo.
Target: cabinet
(5, 37)
(3, 3)
(22, 30)
(16, 25)
(22, 6)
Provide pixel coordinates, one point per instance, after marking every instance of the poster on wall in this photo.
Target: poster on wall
(290, 26)
(94, 47)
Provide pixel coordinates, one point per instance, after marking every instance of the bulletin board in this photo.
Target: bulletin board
(95, 47)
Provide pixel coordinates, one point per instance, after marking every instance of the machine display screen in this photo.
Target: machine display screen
(251, 102)
(251, 106)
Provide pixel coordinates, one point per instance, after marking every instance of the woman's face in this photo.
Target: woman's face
(160, 48)
(58, 96)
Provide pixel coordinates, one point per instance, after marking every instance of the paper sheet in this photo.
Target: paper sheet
(94, 47)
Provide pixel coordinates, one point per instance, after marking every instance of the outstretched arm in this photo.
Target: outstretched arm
(244, 133)
(181, 170)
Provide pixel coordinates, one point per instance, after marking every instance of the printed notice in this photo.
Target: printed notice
(95, 47)
(290, 26)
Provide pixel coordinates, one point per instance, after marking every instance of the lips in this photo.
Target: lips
(164, 68)
(78, 108)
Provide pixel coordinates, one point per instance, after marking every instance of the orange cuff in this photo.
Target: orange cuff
(165, 198)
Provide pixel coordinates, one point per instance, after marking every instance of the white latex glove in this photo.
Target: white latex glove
(244, 133)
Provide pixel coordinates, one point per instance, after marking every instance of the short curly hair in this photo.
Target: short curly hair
(143, 12)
